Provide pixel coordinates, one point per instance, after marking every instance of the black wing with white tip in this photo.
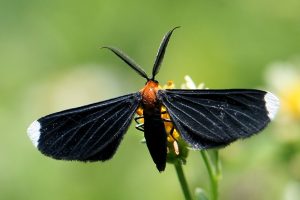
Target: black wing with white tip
(88, 133)
(214, 118)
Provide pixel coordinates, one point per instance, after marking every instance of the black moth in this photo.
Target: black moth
(204, 119)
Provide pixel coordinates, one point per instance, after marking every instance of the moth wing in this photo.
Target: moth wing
(88, 133)
(214, 118)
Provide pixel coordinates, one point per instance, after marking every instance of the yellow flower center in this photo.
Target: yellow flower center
(291, 100)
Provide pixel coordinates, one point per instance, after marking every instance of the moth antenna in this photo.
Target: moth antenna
(161, 52)
(129, 61)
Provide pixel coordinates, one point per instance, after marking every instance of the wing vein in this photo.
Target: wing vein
(214, 116)
(183, 112)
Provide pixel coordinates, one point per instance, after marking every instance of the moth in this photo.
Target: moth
(204, 118)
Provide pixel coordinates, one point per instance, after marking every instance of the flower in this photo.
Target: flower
(284, 78)
(189, 84)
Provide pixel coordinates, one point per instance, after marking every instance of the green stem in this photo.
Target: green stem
(214, 173)
(182, 180)
(218, 165)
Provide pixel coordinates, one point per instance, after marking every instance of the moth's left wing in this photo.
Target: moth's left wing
(88, 133)
(214, 118)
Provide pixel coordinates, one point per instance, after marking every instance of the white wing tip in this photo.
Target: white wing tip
(272, 104)
(34, 133)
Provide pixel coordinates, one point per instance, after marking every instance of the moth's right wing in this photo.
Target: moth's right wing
(88, 133)
(215, 118)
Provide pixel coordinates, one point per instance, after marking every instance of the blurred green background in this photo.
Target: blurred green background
(50, 60)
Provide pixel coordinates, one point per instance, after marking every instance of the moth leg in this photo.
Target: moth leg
(166, 120)
(139, 126)
(171, 133)
(138, 118)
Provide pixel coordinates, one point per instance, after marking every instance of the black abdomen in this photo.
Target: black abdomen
(156, 137)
